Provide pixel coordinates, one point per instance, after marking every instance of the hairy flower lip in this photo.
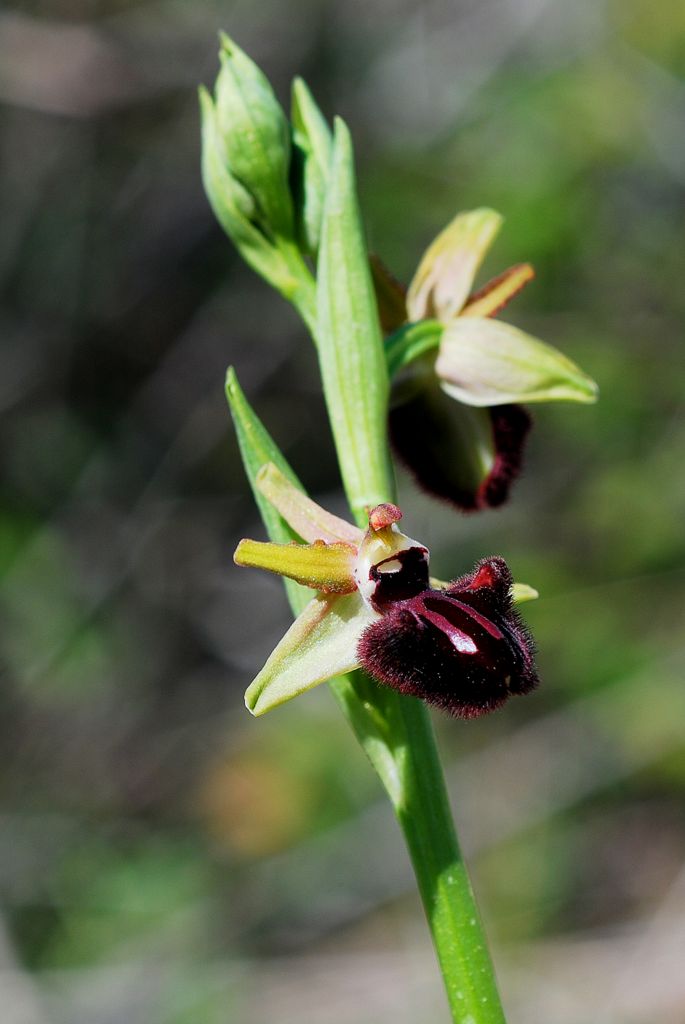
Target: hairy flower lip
(463, 649)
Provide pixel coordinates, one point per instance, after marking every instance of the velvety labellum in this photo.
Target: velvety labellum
(463, 649)
(468, 457)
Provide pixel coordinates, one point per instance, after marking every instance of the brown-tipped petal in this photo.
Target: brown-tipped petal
(446, 272)
(325, 567)
(304, 516)
(467, 456)
(498, 292)
(391, 296)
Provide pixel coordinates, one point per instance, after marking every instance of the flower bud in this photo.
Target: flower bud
(255, 137)
(312, 144)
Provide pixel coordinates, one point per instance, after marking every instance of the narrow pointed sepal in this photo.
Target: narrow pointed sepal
(485, 362)
(445, 274)
(325, 567)
(304, 516)
(320, 644)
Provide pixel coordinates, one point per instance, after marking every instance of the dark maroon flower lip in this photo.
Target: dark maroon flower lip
(427, 435)
(463, 649)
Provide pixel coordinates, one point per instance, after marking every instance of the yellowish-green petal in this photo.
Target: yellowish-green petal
(320, 644)
(327, 567)
(445, 275)
(304, 516)
(487, 362)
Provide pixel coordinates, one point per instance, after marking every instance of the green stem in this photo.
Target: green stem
(394, 730)
(302, 291)
(397, 735)
(442, 876)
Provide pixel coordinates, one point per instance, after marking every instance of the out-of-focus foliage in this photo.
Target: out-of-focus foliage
(163, 858)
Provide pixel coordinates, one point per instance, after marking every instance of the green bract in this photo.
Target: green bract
(353, 368)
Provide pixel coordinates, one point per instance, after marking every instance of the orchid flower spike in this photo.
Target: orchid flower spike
(469, 450)
(459, 646)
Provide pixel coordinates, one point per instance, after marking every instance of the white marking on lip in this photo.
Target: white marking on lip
(464, 644)
(394, 566)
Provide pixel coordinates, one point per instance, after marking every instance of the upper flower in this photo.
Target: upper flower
(468, 451)
(460, 646)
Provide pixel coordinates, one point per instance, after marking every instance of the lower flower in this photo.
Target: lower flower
(459, 646)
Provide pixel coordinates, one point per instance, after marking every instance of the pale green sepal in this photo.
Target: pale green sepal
(312, 153)
(351, 356)
(308, 520)
(445, 274)
(411, 342)
(255, 136)
(521, 592)
(487, 362)
(320, 644)
(257, 448)
(321, 566)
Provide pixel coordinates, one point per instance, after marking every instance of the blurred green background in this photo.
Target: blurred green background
(165, 859)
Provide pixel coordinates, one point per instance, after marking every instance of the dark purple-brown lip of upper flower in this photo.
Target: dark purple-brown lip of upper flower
(427, 451)
(463, 649)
